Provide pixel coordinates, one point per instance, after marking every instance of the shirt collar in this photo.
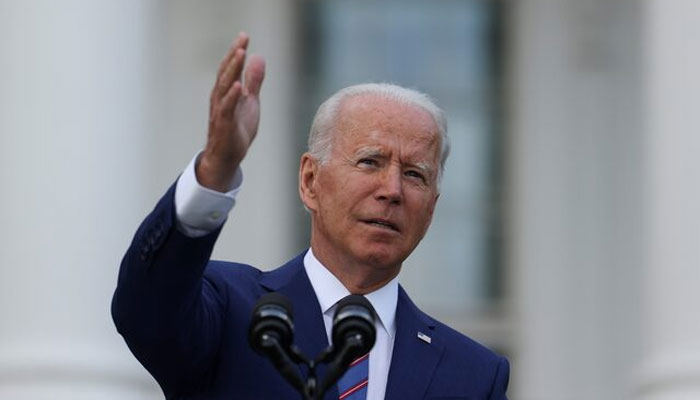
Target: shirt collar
(329, 291)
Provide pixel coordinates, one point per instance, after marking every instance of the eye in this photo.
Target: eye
(414, 174)
(367, 162)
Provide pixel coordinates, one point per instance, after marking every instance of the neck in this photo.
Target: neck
(357, 276)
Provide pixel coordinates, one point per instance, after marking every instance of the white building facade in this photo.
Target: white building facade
(103, 103)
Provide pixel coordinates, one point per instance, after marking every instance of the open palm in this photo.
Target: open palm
(234, 116)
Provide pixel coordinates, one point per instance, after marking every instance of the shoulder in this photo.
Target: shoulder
(455, 342)
(224, 275)
(231, 273)
(466, 352)
(464, 364)
(245, 281)
(239, 274)
(467, 366)
(230, 270)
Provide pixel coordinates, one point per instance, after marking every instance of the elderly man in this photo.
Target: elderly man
(370, 182)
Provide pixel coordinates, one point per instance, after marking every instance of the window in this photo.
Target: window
(449, 50)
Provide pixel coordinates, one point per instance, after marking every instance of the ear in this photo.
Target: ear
(437, 196)
(433, 204)
(431, 210)
(308, 174)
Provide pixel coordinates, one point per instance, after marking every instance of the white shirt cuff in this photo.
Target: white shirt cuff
(201, 210)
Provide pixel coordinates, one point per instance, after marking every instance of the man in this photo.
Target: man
(370, 182)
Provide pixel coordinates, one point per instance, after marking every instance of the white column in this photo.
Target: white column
(575, 198)
(671, 370)
(262, 227)
(73, 125)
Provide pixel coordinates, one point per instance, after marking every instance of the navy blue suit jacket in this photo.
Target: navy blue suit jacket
(186, 319)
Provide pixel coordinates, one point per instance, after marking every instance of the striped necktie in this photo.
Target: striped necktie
(353, 385)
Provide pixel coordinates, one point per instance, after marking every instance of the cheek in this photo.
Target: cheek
(335, 204)
(422, 211)
(351, 190)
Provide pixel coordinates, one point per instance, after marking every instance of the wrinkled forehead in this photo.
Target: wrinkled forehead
(375, 114)
(370, 126)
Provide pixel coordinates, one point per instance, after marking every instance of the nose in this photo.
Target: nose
(390, 189)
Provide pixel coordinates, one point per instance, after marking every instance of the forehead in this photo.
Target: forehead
(370, 120)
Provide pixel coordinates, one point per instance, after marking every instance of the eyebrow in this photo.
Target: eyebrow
(370, 152)
(424, 168)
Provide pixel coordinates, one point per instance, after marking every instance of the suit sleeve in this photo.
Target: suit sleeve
(500, 382)
(170, 316)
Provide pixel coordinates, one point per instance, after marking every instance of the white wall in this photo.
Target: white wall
(605, 213)
(671, 367)
(73, 117)
(102, 104)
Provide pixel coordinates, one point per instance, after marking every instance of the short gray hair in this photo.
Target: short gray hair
(321, 134)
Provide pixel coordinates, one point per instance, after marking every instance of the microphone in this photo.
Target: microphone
(271, 333)
(353, 336)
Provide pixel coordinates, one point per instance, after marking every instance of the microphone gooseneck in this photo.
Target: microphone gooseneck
(353, 336)
(271, 334)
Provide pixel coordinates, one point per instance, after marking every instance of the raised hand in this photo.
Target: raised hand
(234, 115)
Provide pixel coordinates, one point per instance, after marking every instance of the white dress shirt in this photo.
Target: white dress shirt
(329, 291)
(201, 210)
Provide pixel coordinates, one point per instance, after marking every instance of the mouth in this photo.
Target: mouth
(381, 223)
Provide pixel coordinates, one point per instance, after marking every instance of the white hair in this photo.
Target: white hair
(321, 134)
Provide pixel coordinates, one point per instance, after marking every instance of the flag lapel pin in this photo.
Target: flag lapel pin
(422, 336)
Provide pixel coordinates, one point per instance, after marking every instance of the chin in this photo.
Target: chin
(383, 259)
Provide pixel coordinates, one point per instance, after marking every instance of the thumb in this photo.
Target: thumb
(254, 75)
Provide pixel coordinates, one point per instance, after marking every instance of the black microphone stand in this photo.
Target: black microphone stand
(311, 390)
(338, 361)
(353, 335)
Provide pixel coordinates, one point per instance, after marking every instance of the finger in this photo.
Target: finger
(232, 73)
(230, 100)
(241, 42)
(254, 75)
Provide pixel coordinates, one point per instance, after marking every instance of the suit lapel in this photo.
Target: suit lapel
(413, 359)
